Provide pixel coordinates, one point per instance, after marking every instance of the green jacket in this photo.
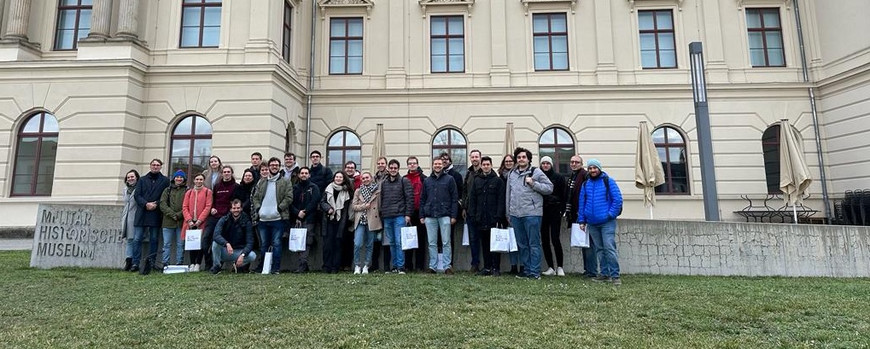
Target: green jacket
(171, 202)
(284, 190)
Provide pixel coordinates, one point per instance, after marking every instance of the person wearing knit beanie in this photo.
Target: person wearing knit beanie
(179, 173)
(594, 163)
(547, 159)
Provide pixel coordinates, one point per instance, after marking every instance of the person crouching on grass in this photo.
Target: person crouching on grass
(233, 240)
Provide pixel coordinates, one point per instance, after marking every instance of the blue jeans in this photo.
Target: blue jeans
(362, 235)
(139, 236)
(474, 243)
(604, 237)
(434, 226)
(590, 260)
(270, 236)
(168, 235)
(393, 233)
(221, 255)
(528, 232)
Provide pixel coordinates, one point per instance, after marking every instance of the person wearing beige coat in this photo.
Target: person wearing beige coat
(366, 221)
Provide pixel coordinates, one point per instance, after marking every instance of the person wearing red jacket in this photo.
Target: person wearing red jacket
(416, 257)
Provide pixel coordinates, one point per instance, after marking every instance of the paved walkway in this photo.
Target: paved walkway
(15, 244)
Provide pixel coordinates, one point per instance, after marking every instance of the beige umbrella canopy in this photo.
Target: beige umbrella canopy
(379, 148)
(794, 175)
(648, 172)
(510, 142)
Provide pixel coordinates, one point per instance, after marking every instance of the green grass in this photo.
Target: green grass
(101, 308)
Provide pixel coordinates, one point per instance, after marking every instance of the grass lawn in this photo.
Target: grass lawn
(102, 308)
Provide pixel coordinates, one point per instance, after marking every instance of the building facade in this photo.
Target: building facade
(92, 88)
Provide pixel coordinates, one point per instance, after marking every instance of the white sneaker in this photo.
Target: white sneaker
(190, 268)
(356, 270)
(560, 271)
(549, 272)
(196, 267)
(365, 269)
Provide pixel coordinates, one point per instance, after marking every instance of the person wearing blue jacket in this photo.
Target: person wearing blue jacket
(599, 203)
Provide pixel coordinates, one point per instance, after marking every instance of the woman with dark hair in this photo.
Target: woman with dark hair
(507, 164)
(128, 215)
(336, 207)
(196, 207)
(245, 189)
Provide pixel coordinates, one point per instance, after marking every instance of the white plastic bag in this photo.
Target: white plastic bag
(267, 262)
(409, 238)
(499, 240)
(465, 235)
(297, 239)
(193, 240)
(579, 237)
(513, 235)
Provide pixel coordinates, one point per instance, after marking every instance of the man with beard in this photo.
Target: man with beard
(486, 211)
(352, 174)
(306, 197)
(439, 206)
(271, 207)
(149, 188)
(290, 171)
(526, 187)
(233, 240)
(397, 203)
(599, 204)
(575, 182)
(416, 257)
(473, 236)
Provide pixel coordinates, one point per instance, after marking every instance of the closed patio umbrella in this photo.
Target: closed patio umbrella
(794, 175)
(379, 148)
(510, 142)
(648, 172)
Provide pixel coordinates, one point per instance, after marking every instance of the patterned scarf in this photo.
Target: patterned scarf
(367, 192)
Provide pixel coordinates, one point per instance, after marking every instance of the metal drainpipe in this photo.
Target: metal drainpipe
(310, 86)
(811, 90)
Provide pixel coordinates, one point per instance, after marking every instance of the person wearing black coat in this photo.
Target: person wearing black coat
(572, 192)
(551, 222)
(149, 218)
(306, 198)
(486, 210)
(233, 239)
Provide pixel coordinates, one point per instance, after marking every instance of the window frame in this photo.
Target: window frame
(550, 34)
(40, 135)
(346, 39)
(344, 148)
(446, 37)
(287, 31)
(78, 8)
(656, 32)
(555, 146)
(202, 5)
(668, 186)
(437, 149)
(764, 30)
(192, 137)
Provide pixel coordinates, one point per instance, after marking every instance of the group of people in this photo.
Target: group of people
(372, 207)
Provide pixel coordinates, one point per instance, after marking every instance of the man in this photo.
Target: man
(397, 204)
(415, 257)
(439, 206)
(599, 204)
(222, 198)
(575, 182)
(381, 166)
(233, 240)
(526, 187)
(381, 240)
(149, 188)
(256, 159)
(270, 208)
(485, 211)
(352, 174)
(447, 163)
(551, 223)
(320, 175)
(290, 171)
(306, 197)
(473, 236)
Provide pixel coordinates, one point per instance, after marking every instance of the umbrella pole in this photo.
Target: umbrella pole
(650, 212)
(794, 210)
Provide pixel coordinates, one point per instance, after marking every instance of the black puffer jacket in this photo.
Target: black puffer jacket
(486, 201)
(555, 202)
(440, 197)
(306, 196)
(397, 197)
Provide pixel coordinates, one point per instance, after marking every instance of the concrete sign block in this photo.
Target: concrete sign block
(86, 236)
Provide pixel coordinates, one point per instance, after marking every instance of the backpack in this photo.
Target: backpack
(606, 192)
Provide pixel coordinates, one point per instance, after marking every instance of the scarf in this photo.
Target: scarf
(337, 203)
(367, 192)
(130, 188)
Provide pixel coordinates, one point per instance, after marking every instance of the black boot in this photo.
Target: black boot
(128, 263)
(513, 270)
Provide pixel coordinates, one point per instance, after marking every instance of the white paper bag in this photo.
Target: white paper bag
(175, 269)
(499, 240)
(579, 237)
(513, 235)
(193, 240)
(465, 235)
(267, 262)
(409, 238)
(298, 239)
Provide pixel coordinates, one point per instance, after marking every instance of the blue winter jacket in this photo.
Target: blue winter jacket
(593, 204)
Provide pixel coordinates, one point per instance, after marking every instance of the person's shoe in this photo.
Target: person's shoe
(496, 272)
(616, 281)
(276, 272)
(560, 271)
(128, 264)
(484, 272)
(215, 270)
(365, 269)
(601, 278)
(448, 271)
(402, 271)
(245, 269)
(549, 272)
(513, 270)
(533, 277)
(431, 271)
(475, 268)
(134, 268)
(357, 270)
(303, 268)
(197, 267)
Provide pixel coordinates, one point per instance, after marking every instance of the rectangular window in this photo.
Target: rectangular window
(550, 35)
(200, 23)
(765, 37)
(657, 42)
(345, 46)
(73, 23)
(288, 27)
(447, 44)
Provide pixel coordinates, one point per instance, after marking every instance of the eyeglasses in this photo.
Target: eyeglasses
(273, 165)
(315, 156)
(412, 163)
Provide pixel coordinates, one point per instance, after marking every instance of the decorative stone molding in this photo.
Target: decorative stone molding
(679, 3)
(425, 3)
(527, 3)
(327, 4)
(785, 3)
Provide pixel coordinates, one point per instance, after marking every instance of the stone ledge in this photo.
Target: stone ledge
(17, 232)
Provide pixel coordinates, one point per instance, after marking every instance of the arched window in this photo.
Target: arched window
(452, 142)
(558, 144)
(35, 155)
(343, 146)
(770, 148)
(191, 146)
(672, 152)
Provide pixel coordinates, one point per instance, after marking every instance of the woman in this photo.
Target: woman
(213, 173)
(244, 190)
(196, 207)
(367, 220)
(128, 215)
(335, 206)
(507, 164)
(172, 205)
